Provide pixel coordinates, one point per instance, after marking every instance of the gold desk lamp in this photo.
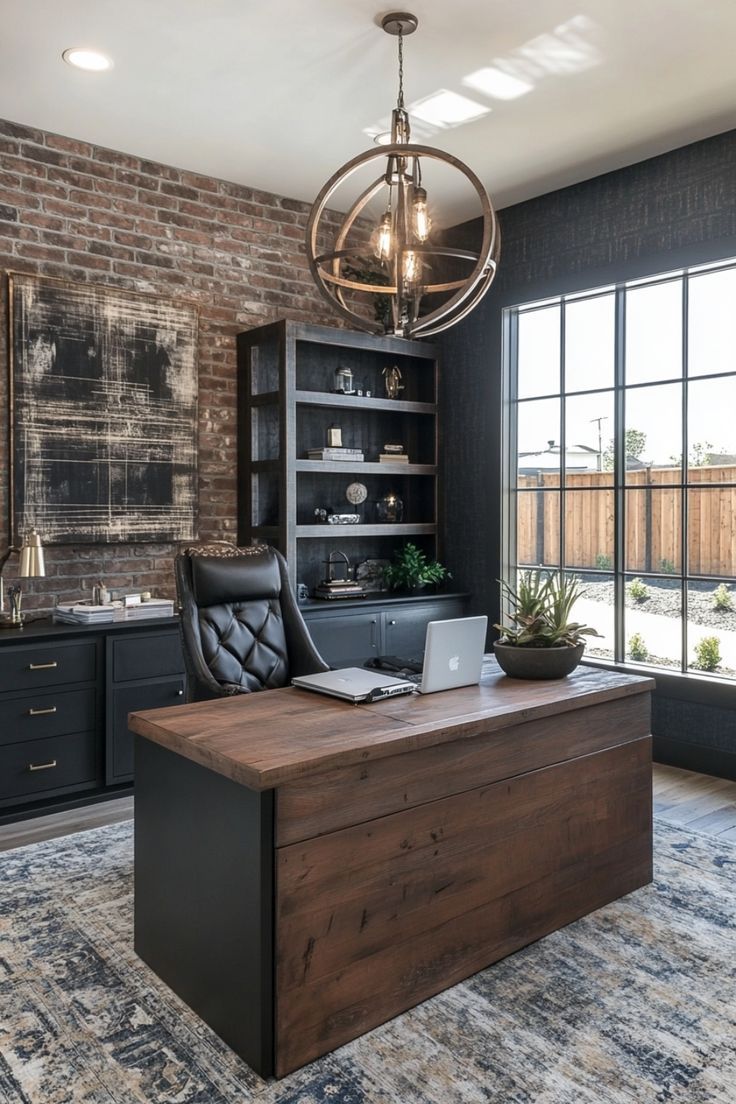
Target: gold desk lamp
(31, 566)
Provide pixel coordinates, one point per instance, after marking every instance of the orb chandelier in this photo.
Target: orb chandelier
(394, 273)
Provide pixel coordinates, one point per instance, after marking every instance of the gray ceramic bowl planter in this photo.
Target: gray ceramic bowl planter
(538, 663)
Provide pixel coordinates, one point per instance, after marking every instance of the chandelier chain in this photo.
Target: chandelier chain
(400, 101)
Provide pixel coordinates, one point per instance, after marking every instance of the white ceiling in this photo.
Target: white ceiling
(276, 94)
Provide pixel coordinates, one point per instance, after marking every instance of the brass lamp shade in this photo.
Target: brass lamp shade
(32, 565)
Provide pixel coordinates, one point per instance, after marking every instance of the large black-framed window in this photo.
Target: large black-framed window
(621, 462)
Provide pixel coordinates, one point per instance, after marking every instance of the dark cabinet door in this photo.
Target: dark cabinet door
(346, 640)
(405, 629)
(129, 699)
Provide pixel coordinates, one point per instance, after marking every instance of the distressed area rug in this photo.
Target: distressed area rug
(635, 1003)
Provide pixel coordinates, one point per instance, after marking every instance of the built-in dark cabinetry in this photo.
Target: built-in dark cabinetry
(287, 403)
(348, 633)
(65, 695)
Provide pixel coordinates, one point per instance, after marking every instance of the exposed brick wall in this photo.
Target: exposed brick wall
(92, 215)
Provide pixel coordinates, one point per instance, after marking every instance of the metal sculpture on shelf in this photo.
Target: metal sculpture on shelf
(401, 270)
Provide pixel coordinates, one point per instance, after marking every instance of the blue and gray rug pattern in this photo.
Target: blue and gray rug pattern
(635, 1004)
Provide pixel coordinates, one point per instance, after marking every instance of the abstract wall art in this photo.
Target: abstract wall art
(104, 390)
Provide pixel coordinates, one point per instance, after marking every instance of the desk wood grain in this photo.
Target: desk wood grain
(265, 740)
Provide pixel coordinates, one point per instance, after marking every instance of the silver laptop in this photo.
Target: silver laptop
(355, 684)
(453, 654)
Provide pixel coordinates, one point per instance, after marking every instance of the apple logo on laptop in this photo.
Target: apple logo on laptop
(454, 663)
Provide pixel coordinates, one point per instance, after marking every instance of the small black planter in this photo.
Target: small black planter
(538, 663)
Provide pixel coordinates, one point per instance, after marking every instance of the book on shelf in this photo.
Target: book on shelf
(335, 453)
(393, 458)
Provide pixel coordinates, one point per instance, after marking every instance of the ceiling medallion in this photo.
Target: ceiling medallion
(389, 272)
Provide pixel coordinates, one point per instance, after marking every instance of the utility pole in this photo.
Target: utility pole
(600, 440)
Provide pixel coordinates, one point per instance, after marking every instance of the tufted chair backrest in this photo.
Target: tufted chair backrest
(241, 627)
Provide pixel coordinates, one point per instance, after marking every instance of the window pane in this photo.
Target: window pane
(589, 529)
(589, 437)
(711, 432)
(653, 621)
(538, 528)
(711, 536)
(712, 323)
(711, 627)
(654, 434)
(595, 608)
(589, 343)
(653, 525)
(539, 352)
(654, 332)
(538, 436)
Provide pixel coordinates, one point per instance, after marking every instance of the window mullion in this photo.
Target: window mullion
(619, 476)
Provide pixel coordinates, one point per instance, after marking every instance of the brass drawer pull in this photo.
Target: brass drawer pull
(41, 712)
(42, 766)
(43, 666)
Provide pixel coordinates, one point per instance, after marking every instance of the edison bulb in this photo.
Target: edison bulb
(382, 239)
(422, 221)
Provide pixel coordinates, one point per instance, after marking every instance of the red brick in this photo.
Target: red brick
(68, 145)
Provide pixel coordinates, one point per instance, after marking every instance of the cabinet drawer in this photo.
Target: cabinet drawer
(38, 665)
(148, 655)
(53, 713)
(32, 768)
(131, 699)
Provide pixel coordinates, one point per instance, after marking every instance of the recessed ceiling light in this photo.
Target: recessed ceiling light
(82, 58)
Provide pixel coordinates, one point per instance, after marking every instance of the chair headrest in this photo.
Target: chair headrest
(238, 576)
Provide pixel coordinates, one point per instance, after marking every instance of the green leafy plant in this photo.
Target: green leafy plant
(638, 650)
(541, 617)
(722, 598)
(603, 561)
(638, 590)
(411, 569)
(667, 567)
(707, 654)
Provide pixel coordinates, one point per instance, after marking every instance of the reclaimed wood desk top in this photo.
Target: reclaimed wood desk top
(265, 740)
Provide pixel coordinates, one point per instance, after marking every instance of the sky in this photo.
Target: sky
(653, 351)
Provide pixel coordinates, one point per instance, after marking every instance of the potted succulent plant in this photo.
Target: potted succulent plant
(542, 642)
(411, 570)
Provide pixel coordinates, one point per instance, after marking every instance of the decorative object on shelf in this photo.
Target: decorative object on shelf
(356, 493)
(302, 592)
(400, 268)
(412, 569)
(338, 585)
(343, 519)
(369, 573)
(31, 566)
(334, 437)
(542, 642)
(392, 381)
(344, 381)
(393, 454)
(105, 413)
(390, 508)
(100, 594)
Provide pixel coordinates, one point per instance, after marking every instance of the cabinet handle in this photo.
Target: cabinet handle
(392, 622)
(42, 766)
(43, 666)
(180, 693)
(374, 621)
(41, 712)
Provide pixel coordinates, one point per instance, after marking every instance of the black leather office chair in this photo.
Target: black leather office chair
(241, 627)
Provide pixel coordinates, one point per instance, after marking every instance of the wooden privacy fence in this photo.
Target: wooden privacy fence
(653, 516)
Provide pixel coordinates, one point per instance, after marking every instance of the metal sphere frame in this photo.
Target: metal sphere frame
(327, 267)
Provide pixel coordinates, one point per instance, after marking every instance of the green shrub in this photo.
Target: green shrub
(638, 650)
(667, 567)
(638, 590)
(707, 654)
(722, 598)
(603, 561)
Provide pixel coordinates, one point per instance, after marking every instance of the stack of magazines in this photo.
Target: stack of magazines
(152, 607)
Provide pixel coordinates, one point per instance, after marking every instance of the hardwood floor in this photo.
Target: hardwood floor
(698, 801)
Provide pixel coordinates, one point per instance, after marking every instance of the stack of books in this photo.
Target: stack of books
(152, 607)
(71, 614)
(334, 453)
(393, 454)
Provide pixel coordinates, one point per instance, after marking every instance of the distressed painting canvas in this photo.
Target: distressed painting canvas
(105, 402)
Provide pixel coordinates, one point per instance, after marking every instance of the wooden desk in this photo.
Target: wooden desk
(307, 869)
